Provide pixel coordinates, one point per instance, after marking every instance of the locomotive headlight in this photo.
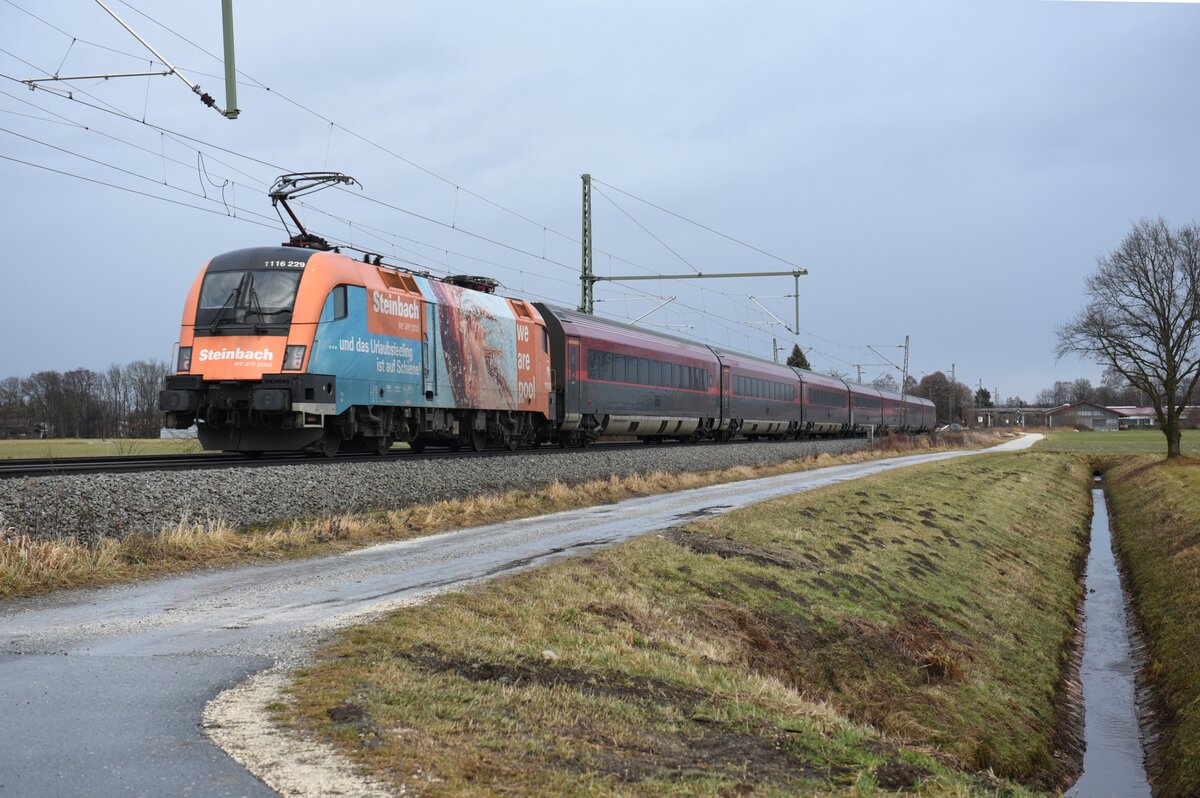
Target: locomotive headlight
(293, 358)
(184, 361)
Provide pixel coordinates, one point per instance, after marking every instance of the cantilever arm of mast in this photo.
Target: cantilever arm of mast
(230, 84)
(695, 275)
(589, 280)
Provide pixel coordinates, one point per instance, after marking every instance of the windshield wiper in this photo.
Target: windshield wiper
(230, 301)
(256, 306)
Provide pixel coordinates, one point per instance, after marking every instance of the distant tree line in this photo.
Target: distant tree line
(120, 402)
(1113, 391)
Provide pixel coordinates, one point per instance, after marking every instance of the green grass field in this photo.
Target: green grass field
(1123, 442)
(90, 447)
(1156, 510)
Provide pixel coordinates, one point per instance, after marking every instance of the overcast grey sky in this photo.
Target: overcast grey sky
(944, 170)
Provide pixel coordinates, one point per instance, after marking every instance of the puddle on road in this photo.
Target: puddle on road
(703, 512)
(1113, 762)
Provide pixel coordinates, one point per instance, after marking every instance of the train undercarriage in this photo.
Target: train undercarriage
(295, 413)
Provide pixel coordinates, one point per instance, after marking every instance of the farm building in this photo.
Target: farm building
(1084, 415)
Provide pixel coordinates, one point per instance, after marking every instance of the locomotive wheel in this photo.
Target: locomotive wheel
(331, 441)
(383, 444)
(477, 439)
(416, 445)
(512, 443)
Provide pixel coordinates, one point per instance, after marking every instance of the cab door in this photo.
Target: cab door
(429, 358)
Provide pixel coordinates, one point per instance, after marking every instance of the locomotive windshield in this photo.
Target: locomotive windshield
(260, 298)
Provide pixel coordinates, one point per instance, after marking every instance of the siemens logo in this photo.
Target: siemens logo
(394, 307)
(236, 354)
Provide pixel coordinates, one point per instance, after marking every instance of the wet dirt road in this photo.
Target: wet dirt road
(101, 691)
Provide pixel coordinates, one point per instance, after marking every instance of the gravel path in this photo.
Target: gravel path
(94, 506)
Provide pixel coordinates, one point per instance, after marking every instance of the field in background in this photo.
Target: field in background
(91, 447)
(904, 632)
(1122, 442)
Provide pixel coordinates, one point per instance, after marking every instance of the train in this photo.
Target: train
(303, 349)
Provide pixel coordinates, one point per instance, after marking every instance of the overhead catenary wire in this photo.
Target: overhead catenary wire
(130, 117)
(698, 224)
(716, 318)
(135, 191)
(731, 325)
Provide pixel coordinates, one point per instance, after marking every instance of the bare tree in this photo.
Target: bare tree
(1142, 318)
(886, 382)
(1082, 391)
(1059, 394)
(145, 379)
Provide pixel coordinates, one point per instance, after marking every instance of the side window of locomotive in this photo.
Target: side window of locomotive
(337, 305)
(340, 306)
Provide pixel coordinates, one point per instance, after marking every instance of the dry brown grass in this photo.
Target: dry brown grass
(902, 633)
(30, 566)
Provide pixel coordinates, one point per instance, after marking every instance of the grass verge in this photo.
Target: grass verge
(30, 565)
(905, 633)
(1156, 515)
(1141, 441)
(96, 447)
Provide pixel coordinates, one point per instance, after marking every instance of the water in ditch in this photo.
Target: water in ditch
(1113, 762)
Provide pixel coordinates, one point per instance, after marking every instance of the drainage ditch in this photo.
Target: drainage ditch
(1113, 763)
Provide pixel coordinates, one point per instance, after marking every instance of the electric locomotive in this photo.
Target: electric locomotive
(295, 349)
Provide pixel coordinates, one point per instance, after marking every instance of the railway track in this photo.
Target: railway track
(62, 466)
